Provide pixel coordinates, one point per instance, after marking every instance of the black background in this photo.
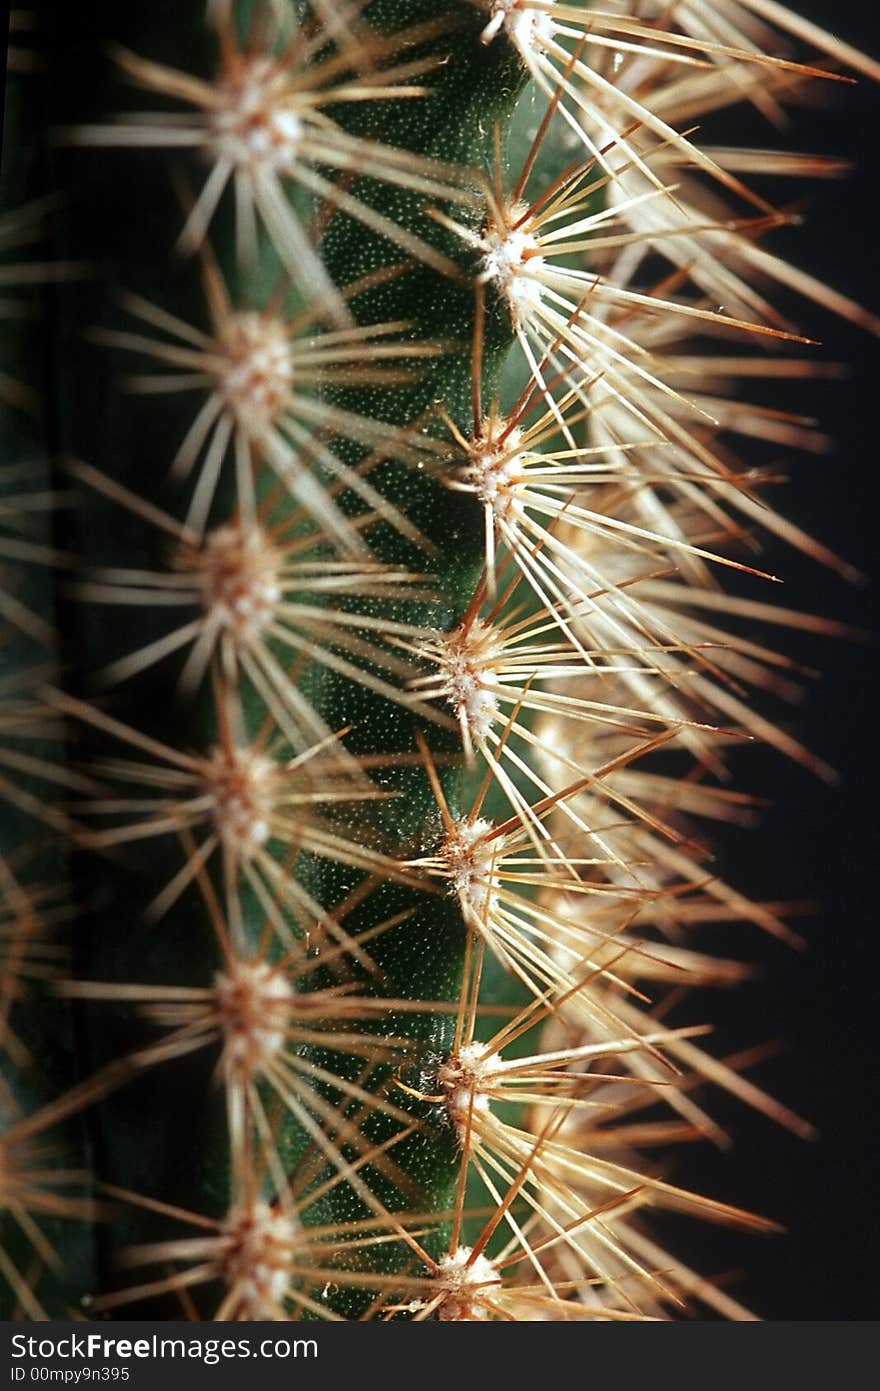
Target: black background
(817, 842)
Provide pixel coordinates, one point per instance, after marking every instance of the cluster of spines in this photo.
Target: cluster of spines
(46, 1207)
(579, 637)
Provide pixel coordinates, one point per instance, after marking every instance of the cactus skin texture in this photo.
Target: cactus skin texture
(380, 664)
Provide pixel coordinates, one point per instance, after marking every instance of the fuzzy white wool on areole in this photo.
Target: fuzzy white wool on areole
(247, 128)
(512, 263)
(255, 1002)
(467, 1282)
(240, 788)
(464, 664)
(475, 707)
(527, 26)
(250, 610)
(241, 587)
(470, 859)
(465, 1078)
(496, 474)
(256, 374)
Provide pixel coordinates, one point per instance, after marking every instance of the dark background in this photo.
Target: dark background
(816, 842)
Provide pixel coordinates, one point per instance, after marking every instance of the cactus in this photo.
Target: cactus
(383, 422)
